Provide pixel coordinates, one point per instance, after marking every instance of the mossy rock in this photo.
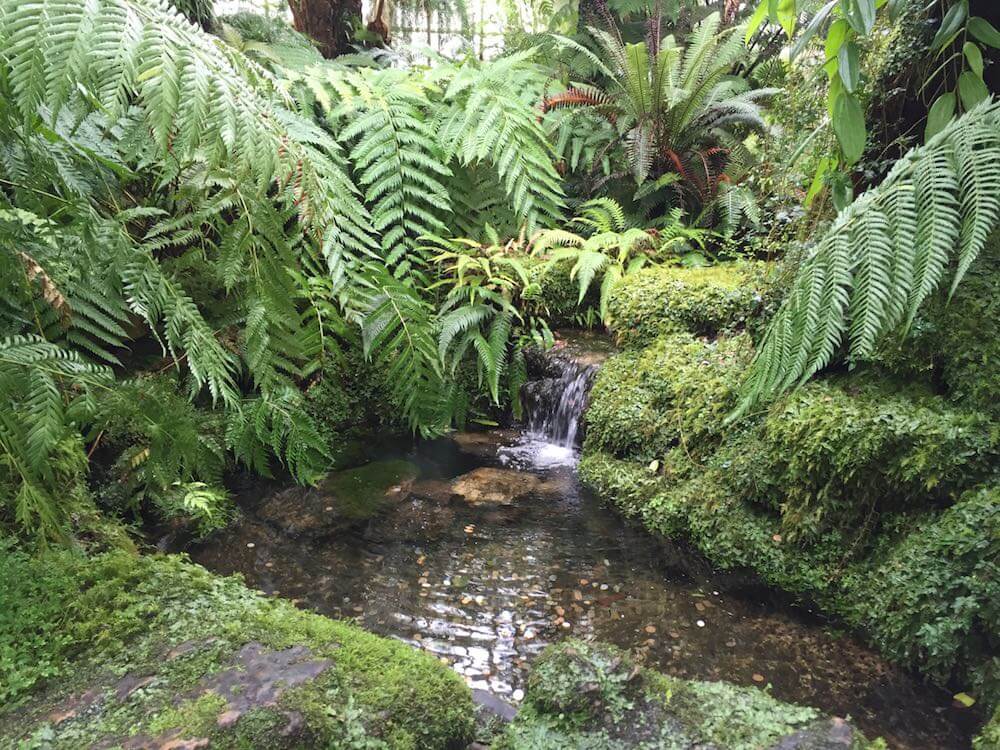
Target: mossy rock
(702, 301)
(676, 391)
(154, 649)
(583, 695)
(925, 590)
(556, 296)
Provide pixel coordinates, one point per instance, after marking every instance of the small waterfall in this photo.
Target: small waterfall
(554, 404)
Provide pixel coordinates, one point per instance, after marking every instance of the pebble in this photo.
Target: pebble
(567, 625)
(328, 508)
(758, 677)
(250, 545)
(700, 623)
(269, 565)
(584, 581)
(650, 628)
(517, 695)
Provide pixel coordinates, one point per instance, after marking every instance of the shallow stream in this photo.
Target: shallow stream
(486, 587)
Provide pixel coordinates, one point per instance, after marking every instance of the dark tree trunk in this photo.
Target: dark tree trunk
(330, 23)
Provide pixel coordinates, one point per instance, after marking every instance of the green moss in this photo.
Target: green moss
(553, 294)
(989, 737)
(675, 392)
(835, 452)
(162, 618)
(585, 695)
(702, 301)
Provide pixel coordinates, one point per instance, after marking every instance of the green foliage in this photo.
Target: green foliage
(674, 109)
(883, 256)
(673, 393)
(611, 247)
(704, 301)
(932, 599)
(103, 617)
(595, 696)
(841, 453)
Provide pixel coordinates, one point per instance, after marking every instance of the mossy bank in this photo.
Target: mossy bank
(122, 651)
(872, 493)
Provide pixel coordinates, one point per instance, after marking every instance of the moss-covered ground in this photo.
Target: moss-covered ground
(118, 650)
(593, 696)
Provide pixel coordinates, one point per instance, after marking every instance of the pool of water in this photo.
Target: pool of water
(486, 588)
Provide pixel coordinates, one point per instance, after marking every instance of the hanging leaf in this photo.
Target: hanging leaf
(835, 37)
(951, 25)
(755, 21)
(940, 114)
(974, 56)
(810, 30)
(825, 165)
(860, 14)
(847, 60)
(984, 31)
(971, 89)
(849, 125)
(787, 16)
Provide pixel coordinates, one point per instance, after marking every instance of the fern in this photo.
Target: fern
(886, 253)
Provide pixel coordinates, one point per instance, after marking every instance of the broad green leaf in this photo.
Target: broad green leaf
(940, 114)
(951, 25)
(971, 89)
(841, 190)
(847, 60)
(787, 16)
(849, 125)
(860, 14)
(984, 31)
(810, 30)
(755, 21)
(835, 37)
(974, 56)
(818, 179)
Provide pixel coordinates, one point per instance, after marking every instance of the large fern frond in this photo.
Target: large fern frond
(886, 253)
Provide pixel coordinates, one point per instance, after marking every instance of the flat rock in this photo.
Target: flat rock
(832, 734)
(342, 500)
(483, 444)
(489, 486)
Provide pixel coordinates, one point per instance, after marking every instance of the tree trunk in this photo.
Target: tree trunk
(329, 23)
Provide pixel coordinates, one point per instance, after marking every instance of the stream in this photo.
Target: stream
(485, 587)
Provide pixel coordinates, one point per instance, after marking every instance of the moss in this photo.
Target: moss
(585, 695)
(836, 452)
(702, 301)
(552, 293)
(926, 591)
(175, 626)
(989, 737)
(676, 391)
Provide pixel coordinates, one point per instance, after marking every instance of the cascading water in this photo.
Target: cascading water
(554, 403)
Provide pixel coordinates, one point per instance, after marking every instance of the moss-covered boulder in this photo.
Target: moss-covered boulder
(594, 696)
(120, 651)
(555, 295)
(675, 391)
(702, 301)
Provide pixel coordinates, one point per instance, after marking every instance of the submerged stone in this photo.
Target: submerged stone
(342, 500)
(490, 486)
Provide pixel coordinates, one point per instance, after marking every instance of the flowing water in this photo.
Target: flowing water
(486, 587)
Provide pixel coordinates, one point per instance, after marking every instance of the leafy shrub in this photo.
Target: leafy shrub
(703, 301)
(555, 294)
(675, 392)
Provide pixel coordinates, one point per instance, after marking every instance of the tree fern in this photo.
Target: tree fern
(886, 253)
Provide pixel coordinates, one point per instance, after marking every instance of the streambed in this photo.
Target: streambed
(486, 587)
